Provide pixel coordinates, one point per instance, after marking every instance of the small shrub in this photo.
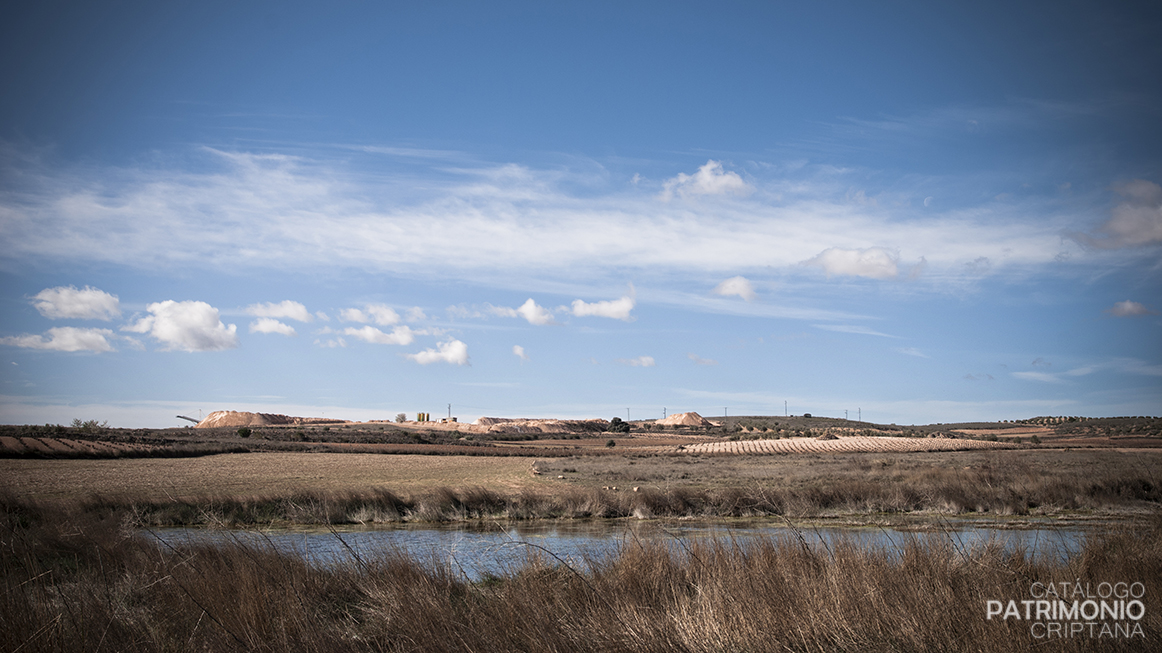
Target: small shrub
(618, 426)
(244, 432)
(401, 417)
(610, 443)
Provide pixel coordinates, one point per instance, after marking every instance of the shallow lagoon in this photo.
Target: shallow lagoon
(482, 549)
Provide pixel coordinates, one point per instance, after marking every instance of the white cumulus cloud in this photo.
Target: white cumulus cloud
(188, 326)
(84, 304)
(1129, 309)
(710, 179)
(617, 309)
(287, 309)
(873, 262)
(698, 360)
(740, 286)
(400, 335)
(530, 310)
(519, 352)
(64, 339)
(271, 325)
(453, 352)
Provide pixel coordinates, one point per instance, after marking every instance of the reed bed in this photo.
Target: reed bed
(82, 581)
(963, 493)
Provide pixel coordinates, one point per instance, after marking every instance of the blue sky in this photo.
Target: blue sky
(917, 212)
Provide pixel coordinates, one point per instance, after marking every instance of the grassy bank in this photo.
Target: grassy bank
(81, 582)
(953, 495)
(264, 487)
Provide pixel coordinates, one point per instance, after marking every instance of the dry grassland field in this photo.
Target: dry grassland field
(509, 456)
(804, 466)
(255, 474)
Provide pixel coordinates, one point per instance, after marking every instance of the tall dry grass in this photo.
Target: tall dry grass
(971, 491)
(83, 582)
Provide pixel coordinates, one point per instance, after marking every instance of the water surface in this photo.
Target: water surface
(478, 550)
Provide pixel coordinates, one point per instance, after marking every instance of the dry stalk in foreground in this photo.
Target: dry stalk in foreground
(82, 583)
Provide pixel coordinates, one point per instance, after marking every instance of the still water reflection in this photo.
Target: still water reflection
(480, 550)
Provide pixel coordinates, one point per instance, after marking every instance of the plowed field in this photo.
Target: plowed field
(51, 447)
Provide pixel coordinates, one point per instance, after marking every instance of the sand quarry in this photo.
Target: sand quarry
(229, 418)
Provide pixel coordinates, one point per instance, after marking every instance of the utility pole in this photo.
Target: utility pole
(726, 411)
(860, 413)
(449, 412)
(663, 412)
(784, 408)
(627, 414)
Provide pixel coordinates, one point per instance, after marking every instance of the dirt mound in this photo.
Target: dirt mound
(512, 425)
(685, 419)
(221, 418)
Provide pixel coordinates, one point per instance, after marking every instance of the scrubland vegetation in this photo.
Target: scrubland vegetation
(82, 573)
(862, 494)
(272, 488)
(82, 581)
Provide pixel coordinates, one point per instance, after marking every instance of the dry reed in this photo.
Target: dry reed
(83, 582)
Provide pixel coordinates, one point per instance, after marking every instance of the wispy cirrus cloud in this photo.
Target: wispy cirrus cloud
(1135, 222)
(1043, 377)
(640, 361)
(853, 328)
(380, 314)
(400, 335)
(499, 220)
